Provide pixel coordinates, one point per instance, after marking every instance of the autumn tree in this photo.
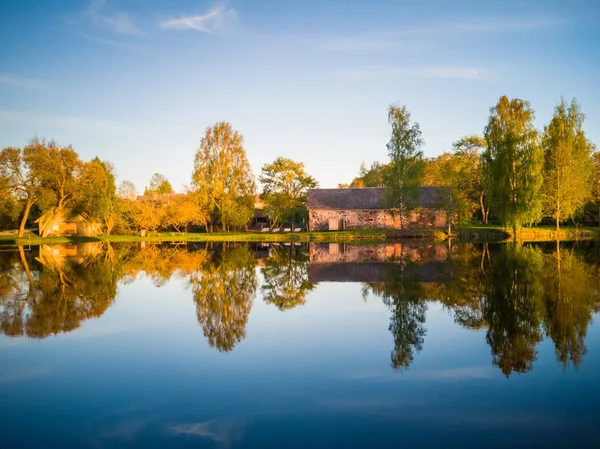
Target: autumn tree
(513, 161)
(406, 162)
(159, 185)
(149, 215)
(127, 190)
(374, 176)
(452, 194)
(285, 183)
(469, 150)
(595, 183)
(222, 179)
(20, 181)
(58, 170)
(181, 214)
(567, 162)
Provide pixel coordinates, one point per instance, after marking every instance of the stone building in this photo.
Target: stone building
(364, 208)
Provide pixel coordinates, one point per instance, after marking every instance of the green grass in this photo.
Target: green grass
(476, 231)
(470, 231)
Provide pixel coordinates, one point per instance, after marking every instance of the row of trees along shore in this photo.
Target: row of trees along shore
(45, 180)
(513, 174)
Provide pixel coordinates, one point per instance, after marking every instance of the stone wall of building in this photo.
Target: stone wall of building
(320, 252)
(356, 219)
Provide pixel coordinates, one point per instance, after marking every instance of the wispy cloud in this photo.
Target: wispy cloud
(221, 431)
(26, 83)
(118, 22)
(79, 123)
(441, 72)
(386, 40)
(219, 19)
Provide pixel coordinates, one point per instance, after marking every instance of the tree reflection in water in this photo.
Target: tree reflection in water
(285, 278)
(402, 294)
(517, 294)
(55, 293)
(224, 289)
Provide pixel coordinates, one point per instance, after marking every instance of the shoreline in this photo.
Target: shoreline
(475, 234)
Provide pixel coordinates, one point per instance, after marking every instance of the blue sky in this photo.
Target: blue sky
(137, 82)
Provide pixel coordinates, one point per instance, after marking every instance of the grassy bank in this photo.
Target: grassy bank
(33, 239)
(532, 234)
(470, 233)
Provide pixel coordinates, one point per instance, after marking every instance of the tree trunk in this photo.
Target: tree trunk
(482, 205)
(25, 216)
(557, 224)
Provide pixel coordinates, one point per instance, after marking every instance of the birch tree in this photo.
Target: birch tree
(513, 161)
(567, 163)
(406, 162)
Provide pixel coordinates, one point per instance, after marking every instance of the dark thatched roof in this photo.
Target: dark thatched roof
(364, 198)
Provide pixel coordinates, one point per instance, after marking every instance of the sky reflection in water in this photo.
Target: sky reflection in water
(291, 346)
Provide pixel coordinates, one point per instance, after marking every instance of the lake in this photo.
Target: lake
(300, 345)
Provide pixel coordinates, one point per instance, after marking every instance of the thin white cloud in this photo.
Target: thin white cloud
(387, 40)
(119, 22)
(218, 20)
(441, 72)
(26, 83)
(221, 431)
(79, 123)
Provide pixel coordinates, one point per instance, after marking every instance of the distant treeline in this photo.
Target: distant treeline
(513, 174)
(44, 181)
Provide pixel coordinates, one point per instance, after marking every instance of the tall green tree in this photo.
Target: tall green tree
(97, 194)
(285, 183)
(567, 162)
(513, 161)
(20, 181)
(222, 180)
(406, 162)
(159, 185)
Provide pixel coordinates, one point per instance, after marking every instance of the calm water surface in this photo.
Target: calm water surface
(276, 346)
